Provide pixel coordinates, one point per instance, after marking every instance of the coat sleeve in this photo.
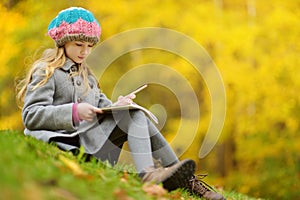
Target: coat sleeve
(104, 101)
(39, 112)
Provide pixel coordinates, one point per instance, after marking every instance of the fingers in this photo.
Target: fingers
(120, 98)
(98, 110)
(125, 100)
(87, 112)
(128, 100)
(131, 96)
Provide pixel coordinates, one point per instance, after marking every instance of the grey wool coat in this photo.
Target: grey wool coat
(47, 110)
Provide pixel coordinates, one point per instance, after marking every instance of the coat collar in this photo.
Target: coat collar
(68, 64)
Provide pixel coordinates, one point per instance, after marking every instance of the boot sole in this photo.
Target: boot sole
(181, 175)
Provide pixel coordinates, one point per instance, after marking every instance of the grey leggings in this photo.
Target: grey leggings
(144, 140)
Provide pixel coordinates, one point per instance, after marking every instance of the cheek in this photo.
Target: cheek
(67, 51)
(70, 52)
(89, 50)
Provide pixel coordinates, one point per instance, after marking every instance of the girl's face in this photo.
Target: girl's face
(78, 50)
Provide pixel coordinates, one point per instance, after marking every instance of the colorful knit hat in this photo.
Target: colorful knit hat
(72, 24)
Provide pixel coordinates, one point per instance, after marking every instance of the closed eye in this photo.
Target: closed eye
(78, 44)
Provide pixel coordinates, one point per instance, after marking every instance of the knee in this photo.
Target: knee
(138, 118)
(137, 114)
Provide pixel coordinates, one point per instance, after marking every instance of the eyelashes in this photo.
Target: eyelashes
(81, 44)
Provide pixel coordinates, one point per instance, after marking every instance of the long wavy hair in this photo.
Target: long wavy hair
(54, 59)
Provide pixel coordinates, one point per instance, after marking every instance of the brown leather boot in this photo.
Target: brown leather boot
(176, 176)
(202, 189)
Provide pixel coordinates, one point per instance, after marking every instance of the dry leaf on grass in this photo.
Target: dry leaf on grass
(176, 195)
(124, 178)
(154, 190)
(121, 194)
(72, 165)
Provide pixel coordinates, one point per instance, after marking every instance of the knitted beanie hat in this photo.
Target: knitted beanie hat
(74, 24)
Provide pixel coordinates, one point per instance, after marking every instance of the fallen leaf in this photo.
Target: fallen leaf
(176, 195)
(124, 178)
(121, 194)
(154, 190)
(72, 165)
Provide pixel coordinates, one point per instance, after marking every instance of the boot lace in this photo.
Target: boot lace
(199, 186)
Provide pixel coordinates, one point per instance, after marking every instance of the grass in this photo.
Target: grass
(32, 169)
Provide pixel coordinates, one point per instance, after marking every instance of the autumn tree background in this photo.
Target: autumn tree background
(255, 45)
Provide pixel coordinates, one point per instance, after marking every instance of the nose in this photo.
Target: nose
(85, 51)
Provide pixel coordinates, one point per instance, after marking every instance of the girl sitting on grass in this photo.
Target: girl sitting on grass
(62, 104)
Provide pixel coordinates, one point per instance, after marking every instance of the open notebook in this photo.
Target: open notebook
(132, 106)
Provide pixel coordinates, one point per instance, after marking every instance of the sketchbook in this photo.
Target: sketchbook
(132, 106)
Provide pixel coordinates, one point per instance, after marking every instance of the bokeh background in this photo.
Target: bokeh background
(255, 45)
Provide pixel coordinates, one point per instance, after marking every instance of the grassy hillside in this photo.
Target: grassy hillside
(33, 170)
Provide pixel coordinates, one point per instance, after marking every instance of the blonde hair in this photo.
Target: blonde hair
(54, 59)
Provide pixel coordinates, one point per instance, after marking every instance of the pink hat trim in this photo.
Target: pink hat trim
(90, 29)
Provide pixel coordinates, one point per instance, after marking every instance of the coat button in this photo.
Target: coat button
(78, 82)
(79, 100)
(91, 85)
(73, 68)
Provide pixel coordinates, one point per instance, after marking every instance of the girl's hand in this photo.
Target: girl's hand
(128, 99)
(87, 111)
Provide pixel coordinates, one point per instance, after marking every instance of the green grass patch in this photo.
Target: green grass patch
(32, 169)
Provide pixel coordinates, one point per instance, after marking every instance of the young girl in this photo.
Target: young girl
(62, 104)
